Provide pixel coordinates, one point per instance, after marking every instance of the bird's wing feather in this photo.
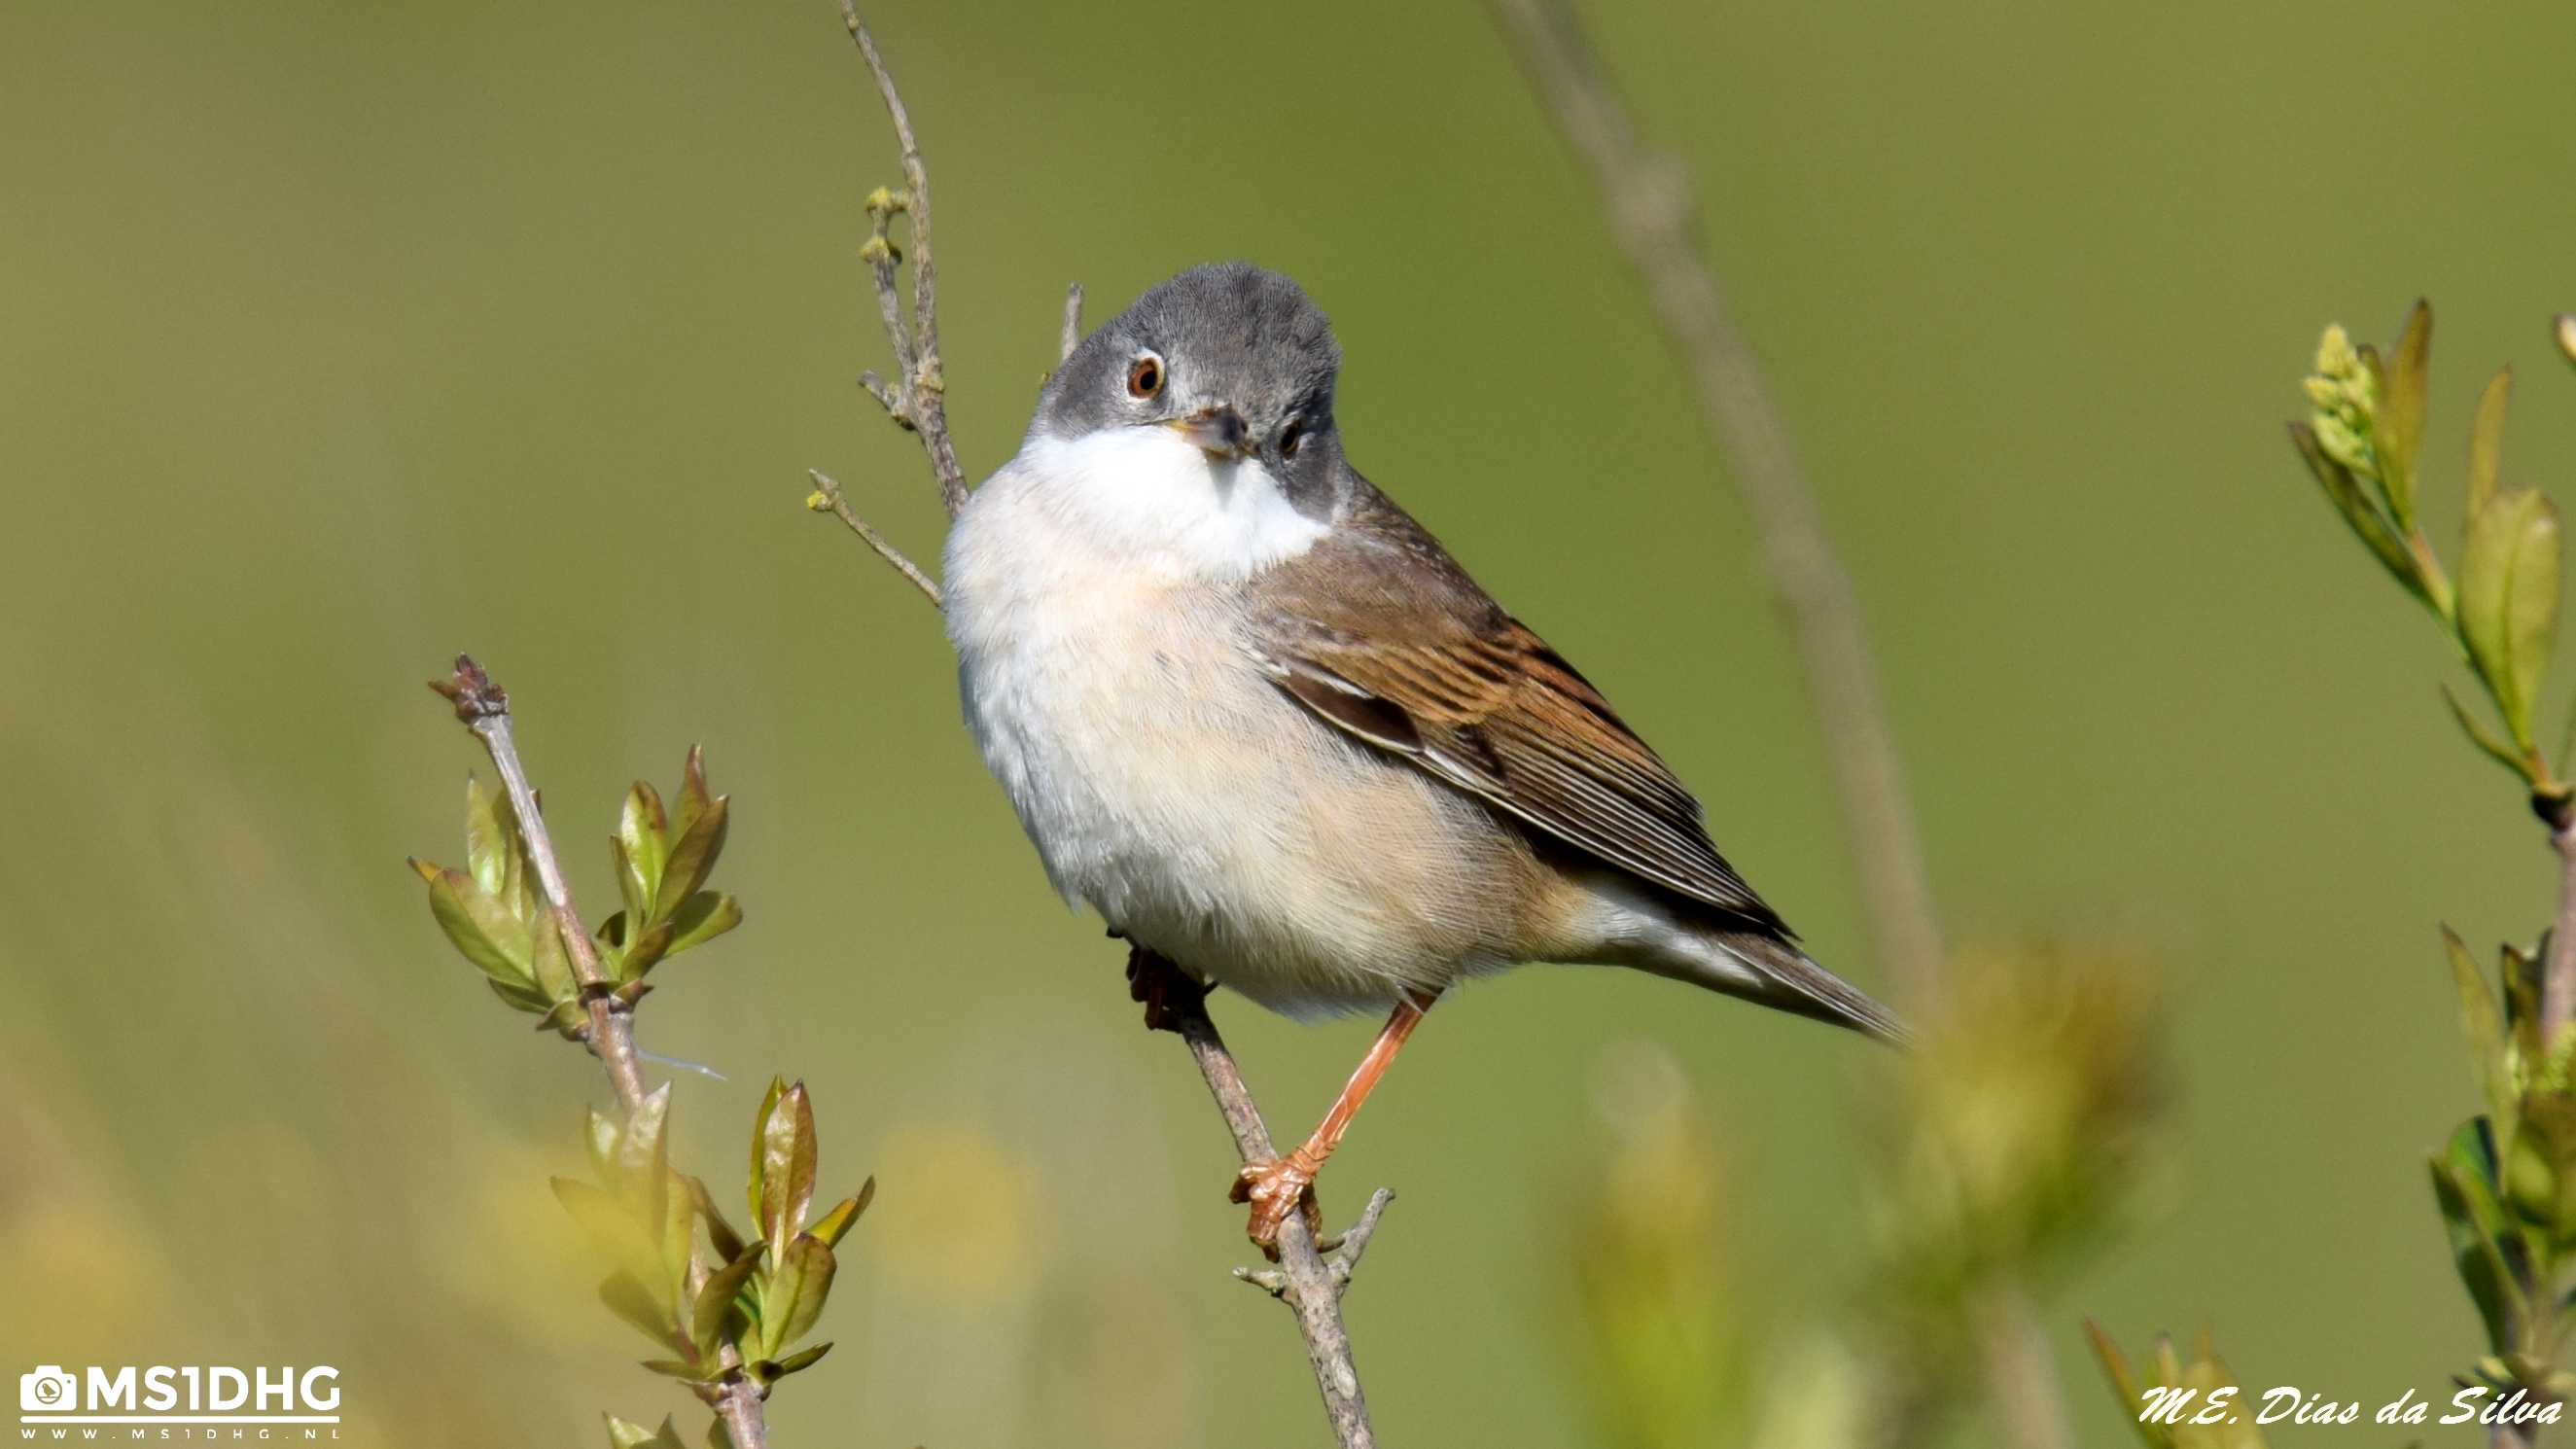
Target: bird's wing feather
(1379, 633)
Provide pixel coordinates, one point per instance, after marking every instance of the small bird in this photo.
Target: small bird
(1262, 722)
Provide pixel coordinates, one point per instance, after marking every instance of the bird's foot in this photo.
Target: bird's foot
(1168, 992)
(1275, 1189)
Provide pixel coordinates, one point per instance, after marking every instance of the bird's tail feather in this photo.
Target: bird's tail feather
(1762, 967)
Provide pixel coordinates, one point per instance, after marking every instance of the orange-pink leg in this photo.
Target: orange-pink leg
(1277, 1187)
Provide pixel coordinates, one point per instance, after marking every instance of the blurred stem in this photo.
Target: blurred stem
(2020, 1372)
(1646, 200)
(2558, 982)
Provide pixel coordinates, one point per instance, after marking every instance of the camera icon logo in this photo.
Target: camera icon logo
(49, 1389)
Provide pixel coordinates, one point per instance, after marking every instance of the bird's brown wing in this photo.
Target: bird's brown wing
(1379, 633)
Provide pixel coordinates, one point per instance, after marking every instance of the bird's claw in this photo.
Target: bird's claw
(1168, 994)
(1275, 1189)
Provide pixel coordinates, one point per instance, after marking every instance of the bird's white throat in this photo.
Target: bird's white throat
(1150, 498)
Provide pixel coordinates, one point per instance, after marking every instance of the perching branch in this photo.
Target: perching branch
(1646, 199)
(485, 709)
(1306, 1280)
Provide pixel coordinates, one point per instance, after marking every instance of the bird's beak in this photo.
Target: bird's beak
(1220, 431)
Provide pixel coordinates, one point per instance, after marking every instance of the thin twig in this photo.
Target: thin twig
(1646, 199)
(485, 709)
(1072, 321)
(918, 399)
(827, 499)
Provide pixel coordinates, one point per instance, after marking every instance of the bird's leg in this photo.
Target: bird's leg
(1278, 1187)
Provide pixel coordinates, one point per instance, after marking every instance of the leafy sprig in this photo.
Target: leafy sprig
(2363, 439)
(725, 1314)
(495, 916)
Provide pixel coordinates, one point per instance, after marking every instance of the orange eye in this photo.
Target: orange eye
(1145, 376)
(1289, 440)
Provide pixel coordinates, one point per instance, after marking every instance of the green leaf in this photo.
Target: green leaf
(836, 1223)
(639, 832)
(490, 937)
(2124, 1380)
(700, 919)
(2481, 1263)
(2521, 971)
(623, 1241)
(644, 1159)
(2478, 734)
(787, 1152)
(2373, 527)
(758, 1179)
(550, 963)
(600, 1135)
(647, 952)
(630, 884)
(693, 855)
(490, 840)
(693, 790)
(678, 1369)
(796, 1293)
(629, 1299)
(519, 998)
(2472, 1153)
(2400, 425)
(770, 1371)
(716, 1300)
(2508, 601)
(568, 1018)
(623, 1435)
(2541, 1177)
(2486, 441)
(720, 1234)
(2482, 1021)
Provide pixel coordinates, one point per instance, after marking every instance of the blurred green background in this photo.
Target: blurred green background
(336, 338)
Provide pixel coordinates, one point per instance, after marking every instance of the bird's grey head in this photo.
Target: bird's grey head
(1235, 358)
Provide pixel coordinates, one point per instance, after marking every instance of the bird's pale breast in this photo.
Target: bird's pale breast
(1168, 783)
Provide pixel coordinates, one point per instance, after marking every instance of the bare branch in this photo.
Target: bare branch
(918, 399)
(485, 709)
(1072, 321)
(827, 499)
(1646, 200)
(1354, 1240)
